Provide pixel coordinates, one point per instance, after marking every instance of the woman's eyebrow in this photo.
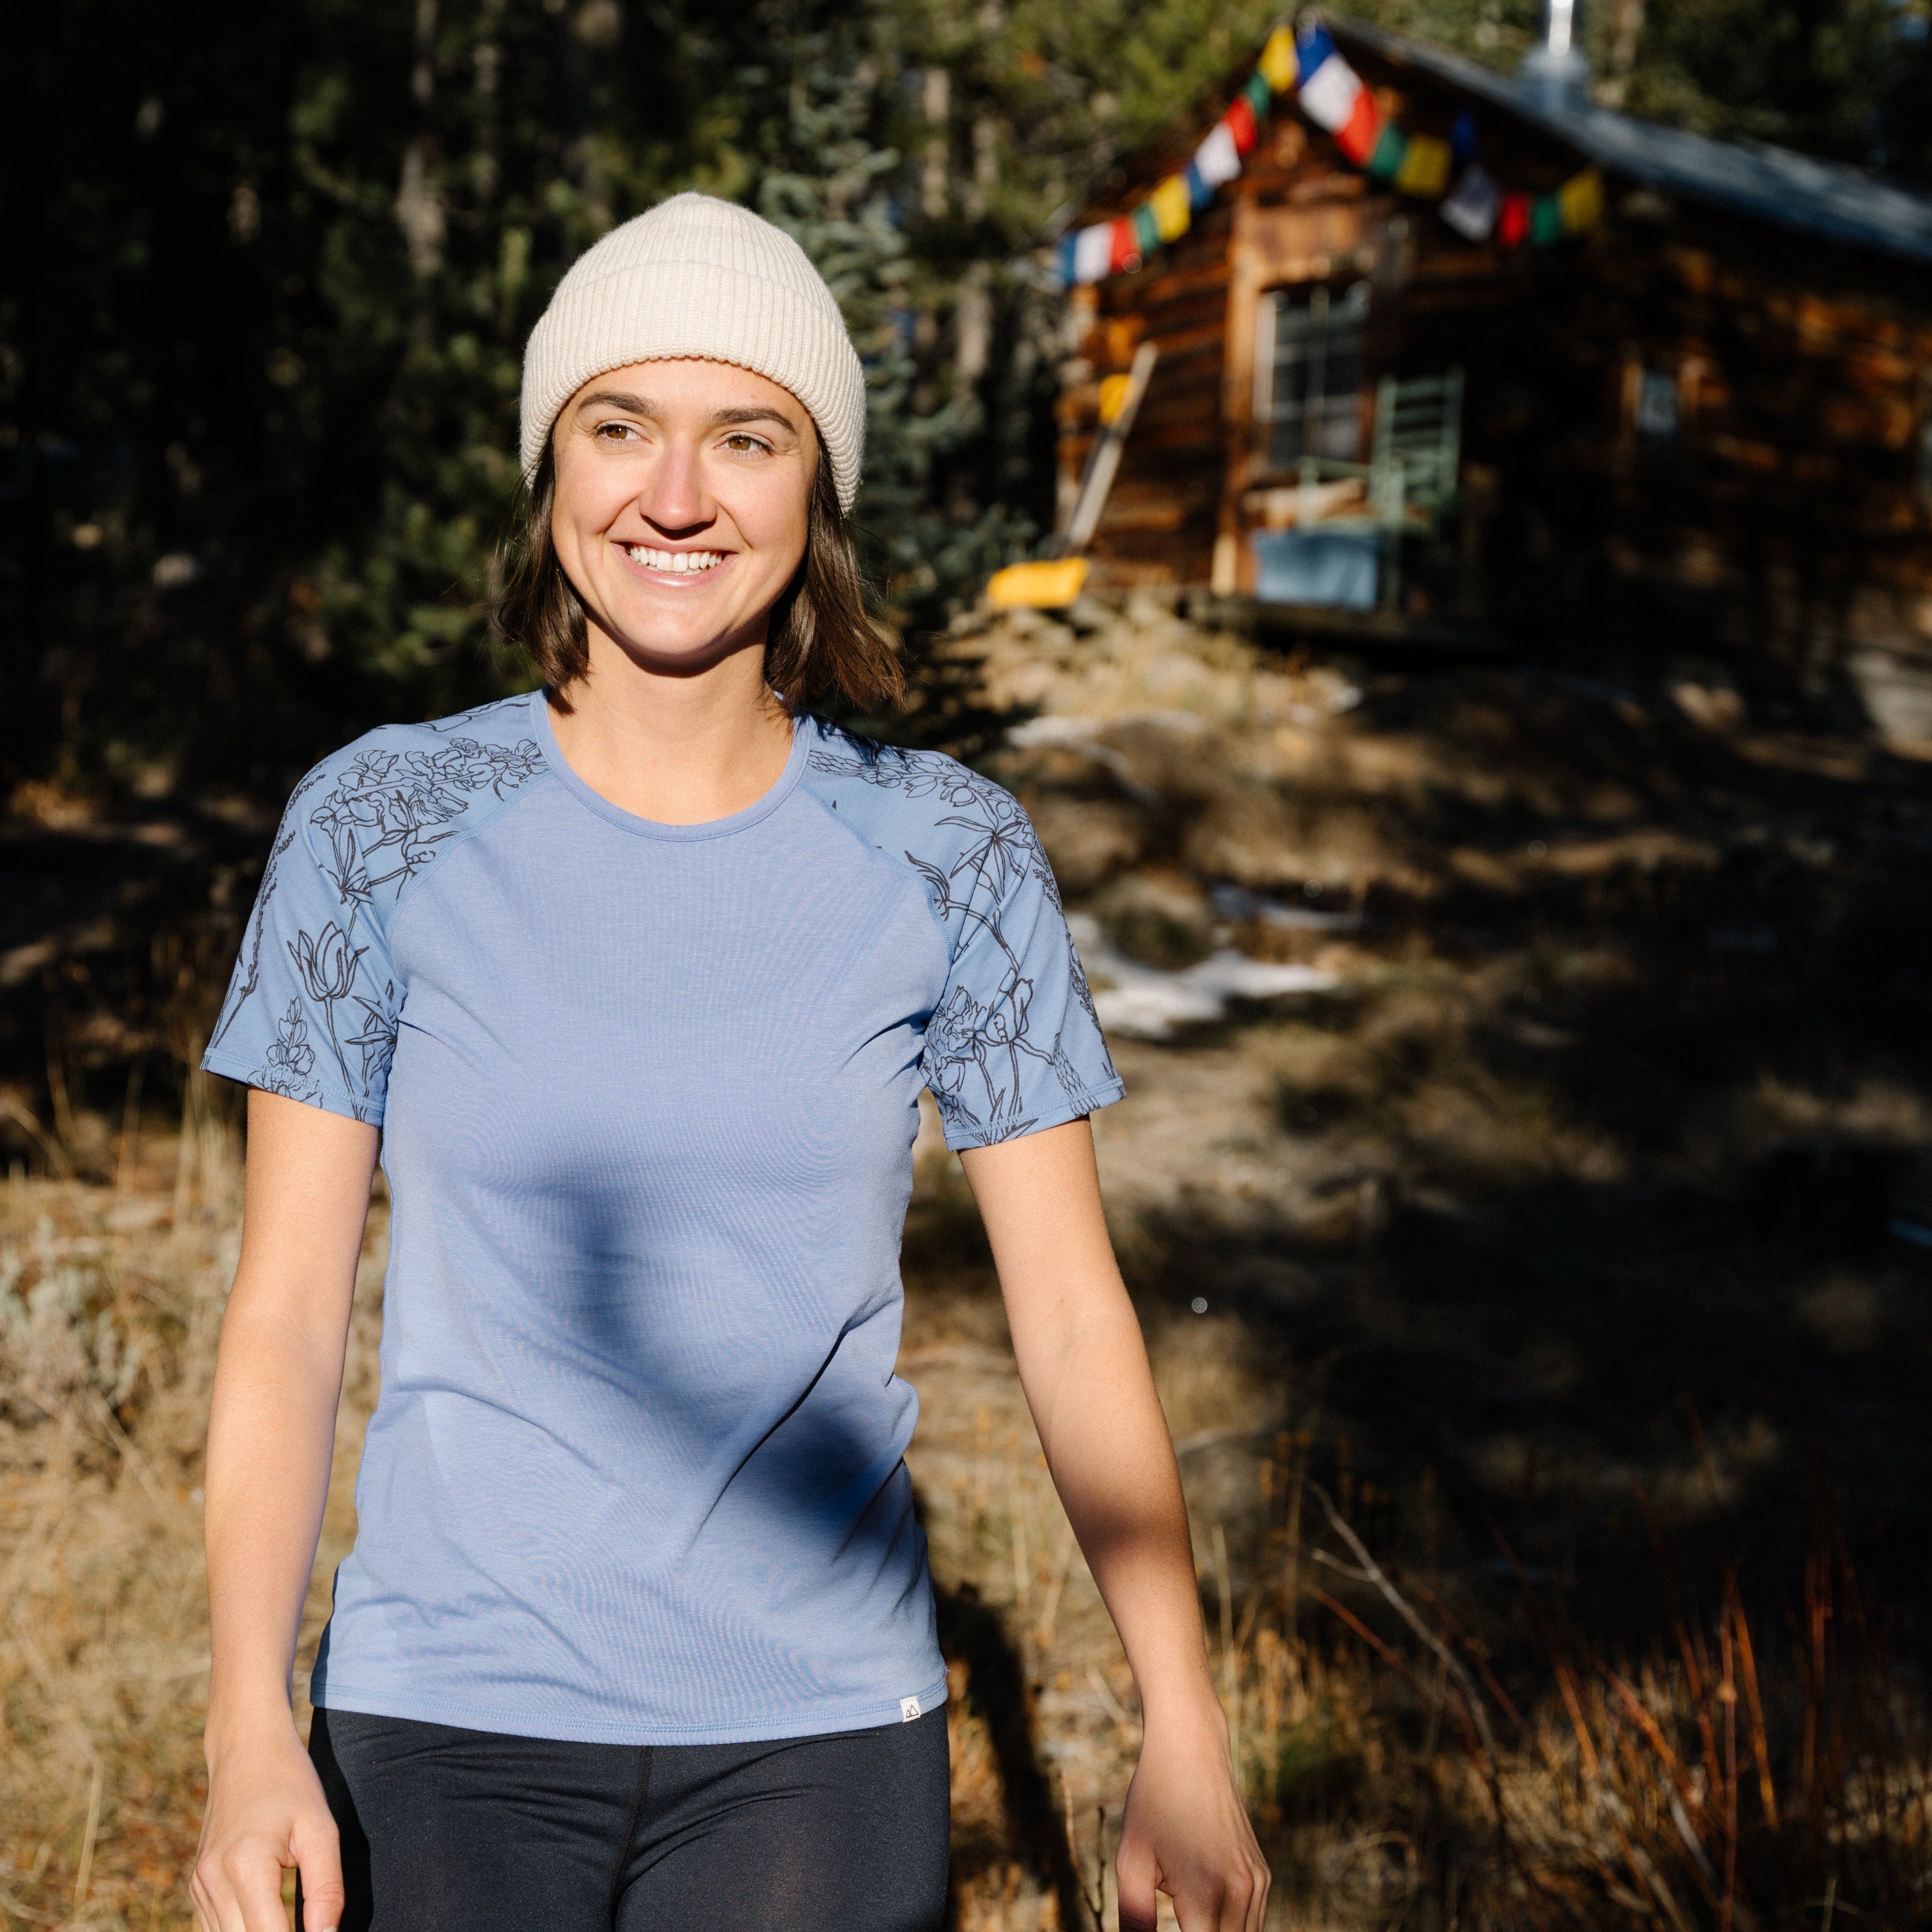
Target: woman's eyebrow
(617, 399)
(760, 413)
(643, 405)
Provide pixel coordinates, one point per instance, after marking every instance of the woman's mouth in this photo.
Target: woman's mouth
(676, 563)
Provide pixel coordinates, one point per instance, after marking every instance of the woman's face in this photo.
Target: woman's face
(682, 490)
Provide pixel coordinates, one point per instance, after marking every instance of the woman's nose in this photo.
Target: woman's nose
(676, 499)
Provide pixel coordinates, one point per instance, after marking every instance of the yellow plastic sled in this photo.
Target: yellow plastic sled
(1050, 586)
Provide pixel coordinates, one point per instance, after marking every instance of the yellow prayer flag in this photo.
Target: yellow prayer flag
(1113, 395)
(1277, 63)
(1581, 198)
(1425, 167)
(1171, 213)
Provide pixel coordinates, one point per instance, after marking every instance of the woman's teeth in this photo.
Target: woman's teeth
(680, 563)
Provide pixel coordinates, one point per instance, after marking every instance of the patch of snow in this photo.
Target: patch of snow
(1149, 1004)
(1237, 902)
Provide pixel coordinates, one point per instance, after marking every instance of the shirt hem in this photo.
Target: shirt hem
(1087, 1101)
(236, 1067)
(568, 1730)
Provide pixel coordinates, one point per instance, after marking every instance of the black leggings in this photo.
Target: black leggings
(445, 1830)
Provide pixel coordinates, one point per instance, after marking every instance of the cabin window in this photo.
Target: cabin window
(1308, 389)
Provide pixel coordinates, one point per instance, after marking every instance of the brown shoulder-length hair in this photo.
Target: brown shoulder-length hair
(822, 643)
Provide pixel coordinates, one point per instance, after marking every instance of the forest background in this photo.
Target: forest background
(271, 271)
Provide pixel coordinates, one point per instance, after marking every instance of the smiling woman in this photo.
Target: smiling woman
(634, 983)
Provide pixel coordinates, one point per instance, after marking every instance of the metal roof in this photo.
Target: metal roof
(1772, 184)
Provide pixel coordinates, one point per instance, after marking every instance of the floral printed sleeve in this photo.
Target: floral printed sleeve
(1014, 1045)
(312, 1006)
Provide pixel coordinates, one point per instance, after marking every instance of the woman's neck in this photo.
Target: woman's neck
(680, 751)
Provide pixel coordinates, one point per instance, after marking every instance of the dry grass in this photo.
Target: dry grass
(1720, 1779)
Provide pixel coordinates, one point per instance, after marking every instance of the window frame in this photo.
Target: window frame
(1357, 292)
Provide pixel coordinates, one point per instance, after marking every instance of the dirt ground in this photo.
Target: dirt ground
(1538, 1277)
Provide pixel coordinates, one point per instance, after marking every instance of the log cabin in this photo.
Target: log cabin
(1701, 425)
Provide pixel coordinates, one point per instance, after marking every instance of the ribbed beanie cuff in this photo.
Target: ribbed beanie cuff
(698, 277)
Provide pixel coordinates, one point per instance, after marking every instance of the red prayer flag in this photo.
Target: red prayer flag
(1241, 120)
(1125, 252)
(1357, 136)
(1513, 221)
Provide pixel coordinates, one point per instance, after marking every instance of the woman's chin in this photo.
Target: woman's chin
(691, 636)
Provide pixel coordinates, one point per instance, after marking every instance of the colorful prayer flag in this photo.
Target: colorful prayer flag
(1472, 210)
(1462, 137)
(1094, 252)
(1545, 220)
(1216, 160)
(1357, 136)
(1425, 167)
(1513, 221)
(1239, 122)
(1385, 160)
(1328, 95)
(1122, 254)
(1258, 95)
(1313, 49)
(1147, 229)
(1278, 66)
(1173, 213)
(1066, 260)
(1199, 192)
(1581, 198)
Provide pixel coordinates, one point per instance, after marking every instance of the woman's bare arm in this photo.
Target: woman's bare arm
(1085, 1369)
(271, 1440)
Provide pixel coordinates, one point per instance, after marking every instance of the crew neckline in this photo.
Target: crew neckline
(588, 795)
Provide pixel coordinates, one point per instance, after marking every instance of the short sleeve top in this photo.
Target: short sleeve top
(648, 1095)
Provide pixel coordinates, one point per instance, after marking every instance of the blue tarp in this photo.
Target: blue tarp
(1336, 568)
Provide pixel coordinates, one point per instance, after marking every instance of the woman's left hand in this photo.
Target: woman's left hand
(1186, 1833)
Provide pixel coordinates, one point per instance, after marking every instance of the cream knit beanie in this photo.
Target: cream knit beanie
(699, 276)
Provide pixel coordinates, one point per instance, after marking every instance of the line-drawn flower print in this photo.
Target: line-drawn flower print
(381, 824)
(289, 1059)
(247, 974)
(377, 1040)
(328, 969)
(973, 1048)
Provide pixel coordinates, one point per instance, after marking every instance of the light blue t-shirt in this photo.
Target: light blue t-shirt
(648, 1095)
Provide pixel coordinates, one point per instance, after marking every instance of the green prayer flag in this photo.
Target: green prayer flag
(1259, 94)
(1147, 229)
(1545, 221)
(1385, 158)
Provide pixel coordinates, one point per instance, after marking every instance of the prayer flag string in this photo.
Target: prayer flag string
(1309, 66)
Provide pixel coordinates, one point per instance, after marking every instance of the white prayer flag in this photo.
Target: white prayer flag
(1471, 210)
(1217, 159)
(1328, 95)
(1094, 253)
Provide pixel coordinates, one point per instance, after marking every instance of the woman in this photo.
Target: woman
(637, 979)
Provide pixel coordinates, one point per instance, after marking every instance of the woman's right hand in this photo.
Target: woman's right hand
(266, 1813)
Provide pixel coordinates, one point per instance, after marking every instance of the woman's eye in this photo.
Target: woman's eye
(745, 444)
(615, 432)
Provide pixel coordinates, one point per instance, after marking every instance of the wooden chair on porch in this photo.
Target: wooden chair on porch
(1409, 481)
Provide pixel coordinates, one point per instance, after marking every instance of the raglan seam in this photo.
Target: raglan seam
(455, 843)
(901, 867)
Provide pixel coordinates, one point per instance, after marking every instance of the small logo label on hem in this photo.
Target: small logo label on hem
(908, 1709)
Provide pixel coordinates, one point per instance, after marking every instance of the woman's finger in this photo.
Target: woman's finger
(318, 1850)
(255, 1889)
(1257, 1918)
(1134, 1871)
